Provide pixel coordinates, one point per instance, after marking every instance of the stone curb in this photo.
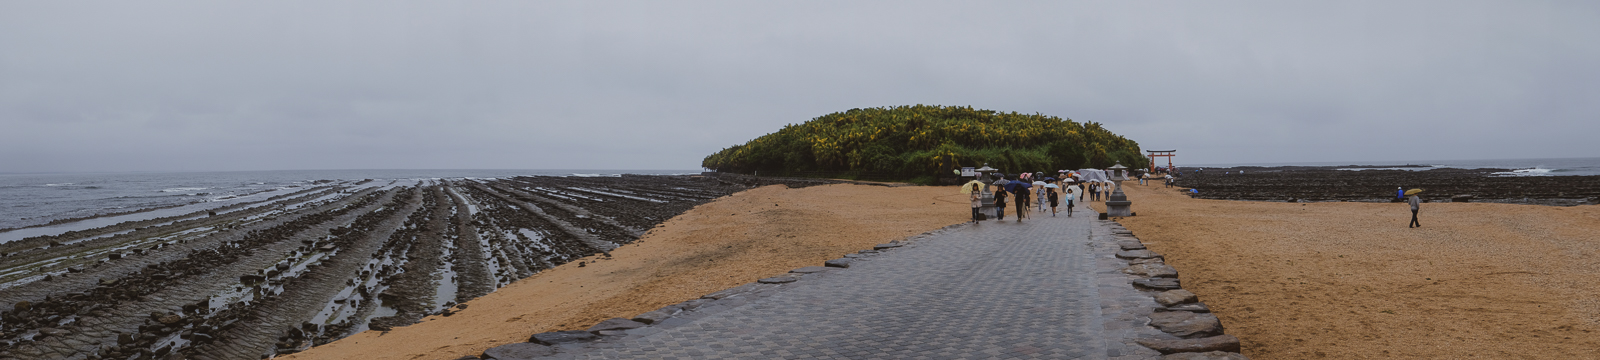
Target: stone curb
(570, 344)
(1146, 312)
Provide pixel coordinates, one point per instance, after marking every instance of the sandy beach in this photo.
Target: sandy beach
(1345, 280)
(731, 241)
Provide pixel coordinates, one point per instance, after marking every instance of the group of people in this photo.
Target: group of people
(1024, 195)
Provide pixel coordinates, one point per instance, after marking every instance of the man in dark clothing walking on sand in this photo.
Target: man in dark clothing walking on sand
(1415, 203)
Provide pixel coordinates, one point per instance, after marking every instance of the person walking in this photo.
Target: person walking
(1022, 203)
(1054, 200)
(1415, 202)
(1040, 195)
(1000, 205)
(977, 203)
(1069, 202)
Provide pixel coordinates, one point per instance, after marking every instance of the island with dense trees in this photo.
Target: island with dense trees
(919, 142)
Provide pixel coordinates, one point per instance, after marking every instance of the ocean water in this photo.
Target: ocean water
(34, 199)
(1518, 167)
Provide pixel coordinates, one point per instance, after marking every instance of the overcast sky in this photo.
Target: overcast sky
(206, 85)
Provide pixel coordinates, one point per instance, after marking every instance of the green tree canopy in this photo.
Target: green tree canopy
(925, 140)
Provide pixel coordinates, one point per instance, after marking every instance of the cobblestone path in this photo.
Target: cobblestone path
(991, 290)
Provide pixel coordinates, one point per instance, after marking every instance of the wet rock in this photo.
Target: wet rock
(810, 269)
(1213, 355)
(886, 246)
(561, 337)
(1157, 283)
(1151, 270)
(839, 263)
(1215, 343)
(615, 324)
(1130, 245)
(778, 280)
(1461, 198)
(1175, 297)
(518, 351)
(124, 339)
(1186, 324)
(22, 306)
(1137, 254)
(170, 320)
(1194, 307)
(611, 333)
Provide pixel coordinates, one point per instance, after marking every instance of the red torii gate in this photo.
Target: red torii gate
(1160, 153)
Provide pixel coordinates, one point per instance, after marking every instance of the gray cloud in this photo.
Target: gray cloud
(652, 85)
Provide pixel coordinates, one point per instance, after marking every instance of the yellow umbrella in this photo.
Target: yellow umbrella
(1413, 192)
(967, 187)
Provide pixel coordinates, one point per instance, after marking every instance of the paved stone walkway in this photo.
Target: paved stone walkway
(991, 290)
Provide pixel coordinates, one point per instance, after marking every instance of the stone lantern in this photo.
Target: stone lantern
(985, 194)
(1117, 204)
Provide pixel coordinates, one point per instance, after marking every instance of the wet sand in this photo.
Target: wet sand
(1346, 280)
(731, 241)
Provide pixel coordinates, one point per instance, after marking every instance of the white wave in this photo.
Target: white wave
(61, 184)
(183, 189)
(596, 175)
(1525, 172)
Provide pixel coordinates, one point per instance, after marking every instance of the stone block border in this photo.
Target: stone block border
(1145, 310)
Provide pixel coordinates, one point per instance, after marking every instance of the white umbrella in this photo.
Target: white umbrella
(1038, 183)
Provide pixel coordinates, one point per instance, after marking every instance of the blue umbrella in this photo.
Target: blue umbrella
(1014, 185)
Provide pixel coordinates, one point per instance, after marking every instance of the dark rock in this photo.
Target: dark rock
(1151, 270)
(611, 333)
(1195, 307)
(811, 269)
(22, 306)
(839, 263)
(170, 319)
(886, 246)
(1186, 324)
(1214, 355)
(560, 337)
(1214, 343)
(1175, 297)
(692, 304)
(519, 351)
(616, 324)
(1461, 198)
(659, 314)
(1137, 254)
(1157, 283)
(1130, 245)
(124, 339)
(778, 280)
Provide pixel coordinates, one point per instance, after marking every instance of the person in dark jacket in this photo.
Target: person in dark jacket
(1022, 202)
(1054, 200)
(1000, 205)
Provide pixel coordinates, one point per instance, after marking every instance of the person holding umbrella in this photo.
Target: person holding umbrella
(971, 187)
(1020, 189)
(1415, 203)
(1054, 199)
(1000, 199)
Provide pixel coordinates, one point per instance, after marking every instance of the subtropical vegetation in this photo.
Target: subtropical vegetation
(922, 141)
